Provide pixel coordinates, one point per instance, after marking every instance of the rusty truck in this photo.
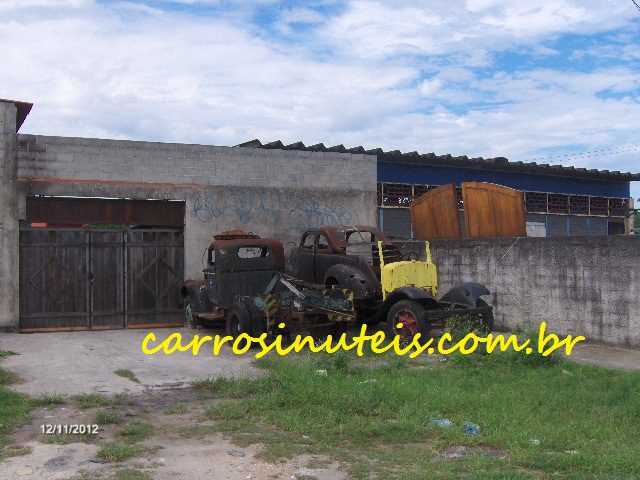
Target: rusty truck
(396, 284)
(246, 289)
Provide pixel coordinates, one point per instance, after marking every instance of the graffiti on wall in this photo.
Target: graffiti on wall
(273, 209)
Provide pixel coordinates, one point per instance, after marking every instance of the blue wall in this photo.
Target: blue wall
(432, 175)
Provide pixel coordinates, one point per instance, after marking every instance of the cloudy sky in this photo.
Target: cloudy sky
(555, 81)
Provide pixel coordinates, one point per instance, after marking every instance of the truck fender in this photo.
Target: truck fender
(364, 285)
(465, 294)
(198, 293)
(403, 293)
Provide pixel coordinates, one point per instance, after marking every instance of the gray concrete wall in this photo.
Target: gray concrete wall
(269, 192)
(9, 300)
(579, 285)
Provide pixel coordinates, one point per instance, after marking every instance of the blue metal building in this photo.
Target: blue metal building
(559, 200)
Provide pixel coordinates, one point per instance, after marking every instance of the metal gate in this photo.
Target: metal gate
(78, 279)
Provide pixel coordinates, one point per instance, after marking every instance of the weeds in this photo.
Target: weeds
(47, 400)
(9, 378)
(338, 361)
(117, 451)
(90, 400)
(136, 432)
(14, 410)
(128, 374)
(176, 409)
(132, 474)
(226, 411)
(233, 387)
(106, 417)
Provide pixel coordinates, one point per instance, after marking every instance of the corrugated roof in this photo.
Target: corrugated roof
(497, 163)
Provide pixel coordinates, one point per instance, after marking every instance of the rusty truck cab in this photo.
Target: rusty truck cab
(240, 263)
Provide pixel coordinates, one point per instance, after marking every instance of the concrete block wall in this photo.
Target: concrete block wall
(45, 157)
(579, 285)
(274, 193)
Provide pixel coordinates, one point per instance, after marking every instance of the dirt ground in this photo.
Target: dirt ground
(84, 362)
(181, 446)
(184, 442)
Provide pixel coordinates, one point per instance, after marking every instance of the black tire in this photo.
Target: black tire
(189, 319)
(258, 321)
(239, 320)
(414, 318)
(245, 317)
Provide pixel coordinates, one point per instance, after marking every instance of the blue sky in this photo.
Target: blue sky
(546, 80)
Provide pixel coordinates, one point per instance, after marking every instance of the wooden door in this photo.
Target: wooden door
(154, 276)
(493, 211)
(54, 279)
(435, 214)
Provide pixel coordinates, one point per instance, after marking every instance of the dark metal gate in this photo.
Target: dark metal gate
(78, 279)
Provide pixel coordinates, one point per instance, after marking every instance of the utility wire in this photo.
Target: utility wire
(637, 6)
(594, 153)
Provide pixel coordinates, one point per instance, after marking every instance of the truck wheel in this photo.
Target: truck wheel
(258, 321)
(239, 320)
(189, 319)
(413, 318)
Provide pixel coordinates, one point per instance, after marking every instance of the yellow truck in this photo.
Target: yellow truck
(391, 283)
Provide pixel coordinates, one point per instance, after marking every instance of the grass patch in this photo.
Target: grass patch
(65, 438)
(9, 378)
(117, 451)
(587, 411)
(227, 411)
(106, 417)
(47, 400)
(176, 409)
(94, 400)
(121, 399)
(198, 431)
(15, 451)
(90, 400)
(6, 353)
(128, 374)
(136, 432)
(131, 474)
(14, 410)
(233, 387)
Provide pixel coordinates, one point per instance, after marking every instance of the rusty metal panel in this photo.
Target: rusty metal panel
(81, 211)
(435, 214)
(154, 276)
(493, 211)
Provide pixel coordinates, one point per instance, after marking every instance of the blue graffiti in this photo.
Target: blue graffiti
(272, 209)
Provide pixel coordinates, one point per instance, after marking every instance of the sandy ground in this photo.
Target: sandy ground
(607, 356)
(167, 454)
(85, 362)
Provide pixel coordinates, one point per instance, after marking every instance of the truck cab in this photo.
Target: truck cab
(345, 256)
(237, 264)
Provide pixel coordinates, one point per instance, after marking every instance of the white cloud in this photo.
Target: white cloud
(429, 88)
(301, 15)
(43, 4)
(379, 29)
(419, 76)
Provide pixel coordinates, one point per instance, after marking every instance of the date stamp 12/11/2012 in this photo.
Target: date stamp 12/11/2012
(72, 429)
